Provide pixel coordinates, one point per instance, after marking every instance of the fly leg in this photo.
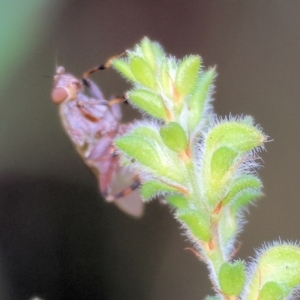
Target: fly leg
(101, 67)
(109, 161)
(82, 106)
(125, 192)
(111, 102)
(93, 87)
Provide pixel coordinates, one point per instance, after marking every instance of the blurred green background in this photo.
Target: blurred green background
(58, 239)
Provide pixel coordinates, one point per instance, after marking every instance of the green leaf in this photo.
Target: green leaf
(149, 53)
(272, 290)
(236, 135)
(241, 183)
(124, 69)
(147, 132)
(218, 173)
(140, 149)
(197, 103)
(149, 102)
(152, 188)
(228, 227)
(187, 74)
(244, 198)
(221, 161)
(158, 50)
(165, 78)
(279, 264)
(232, 278)
(197, 222)
(174, 137)
(177, 201)
(143, 72)
(146, 147)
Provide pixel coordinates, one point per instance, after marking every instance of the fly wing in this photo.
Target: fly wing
(117, 183)
(131, 203)
(94, 90)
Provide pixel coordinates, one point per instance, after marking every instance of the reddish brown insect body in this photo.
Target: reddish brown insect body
(92, 124)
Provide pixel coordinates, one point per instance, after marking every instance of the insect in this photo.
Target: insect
(92, 123)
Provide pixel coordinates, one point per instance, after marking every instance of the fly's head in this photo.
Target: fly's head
(66, 86)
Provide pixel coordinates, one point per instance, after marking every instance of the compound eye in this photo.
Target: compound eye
(59, 95)
(76, 84)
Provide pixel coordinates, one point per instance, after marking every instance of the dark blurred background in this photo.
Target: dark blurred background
(58, 238)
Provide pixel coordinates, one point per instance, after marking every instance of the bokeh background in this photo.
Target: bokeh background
(58, 239)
